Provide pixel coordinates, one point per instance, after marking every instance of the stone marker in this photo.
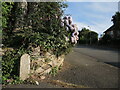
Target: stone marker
(24, 66)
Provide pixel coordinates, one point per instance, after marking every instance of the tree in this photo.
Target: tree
(116, 22)
(116, 18)
(87, 36)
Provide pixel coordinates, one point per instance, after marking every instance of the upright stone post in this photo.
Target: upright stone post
(24, 66)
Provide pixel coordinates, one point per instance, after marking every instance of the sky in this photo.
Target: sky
(95, 16)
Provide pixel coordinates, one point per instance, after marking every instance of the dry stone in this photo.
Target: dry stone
(61, 62)
(39, 70)
(42, 77)
(24, 66)
(47, 71)
(50, 63)
(47, 54)
(1, 52)
(36, 51)
(44, 67)
(54, 63)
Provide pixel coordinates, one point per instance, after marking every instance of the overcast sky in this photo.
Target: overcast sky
(96, 15)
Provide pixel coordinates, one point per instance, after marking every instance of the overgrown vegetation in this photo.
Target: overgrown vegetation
(54, 71)
(35, 24)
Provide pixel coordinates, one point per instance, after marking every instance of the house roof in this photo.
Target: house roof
(112, 28)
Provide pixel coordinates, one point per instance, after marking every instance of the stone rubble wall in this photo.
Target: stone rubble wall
(41, 63)
(38, 63)
(1, 52)
(45, 68)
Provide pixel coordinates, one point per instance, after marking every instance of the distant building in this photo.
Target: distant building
(110, 31)
(113, 31)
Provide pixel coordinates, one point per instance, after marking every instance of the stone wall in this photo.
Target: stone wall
(41, 63)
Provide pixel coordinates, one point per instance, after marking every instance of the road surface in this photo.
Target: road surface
(101, 55)
(87, 67)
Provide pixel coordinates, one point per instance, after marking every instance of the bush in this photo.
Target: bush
(40, 27)
(10, 66)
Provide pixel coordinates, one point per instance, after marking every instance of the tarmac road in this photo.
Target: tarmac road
(88, 68)
(105, 55)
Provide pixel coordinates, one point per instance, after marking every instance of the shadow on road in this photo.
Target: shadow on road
(114, 64)
(101, 49)
(98, 47)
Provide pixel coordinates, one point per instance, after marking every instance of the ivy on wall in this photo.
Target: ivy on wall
(35, 24)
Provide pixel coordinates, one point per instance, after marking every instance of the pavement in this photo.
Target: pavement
(84, 67)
